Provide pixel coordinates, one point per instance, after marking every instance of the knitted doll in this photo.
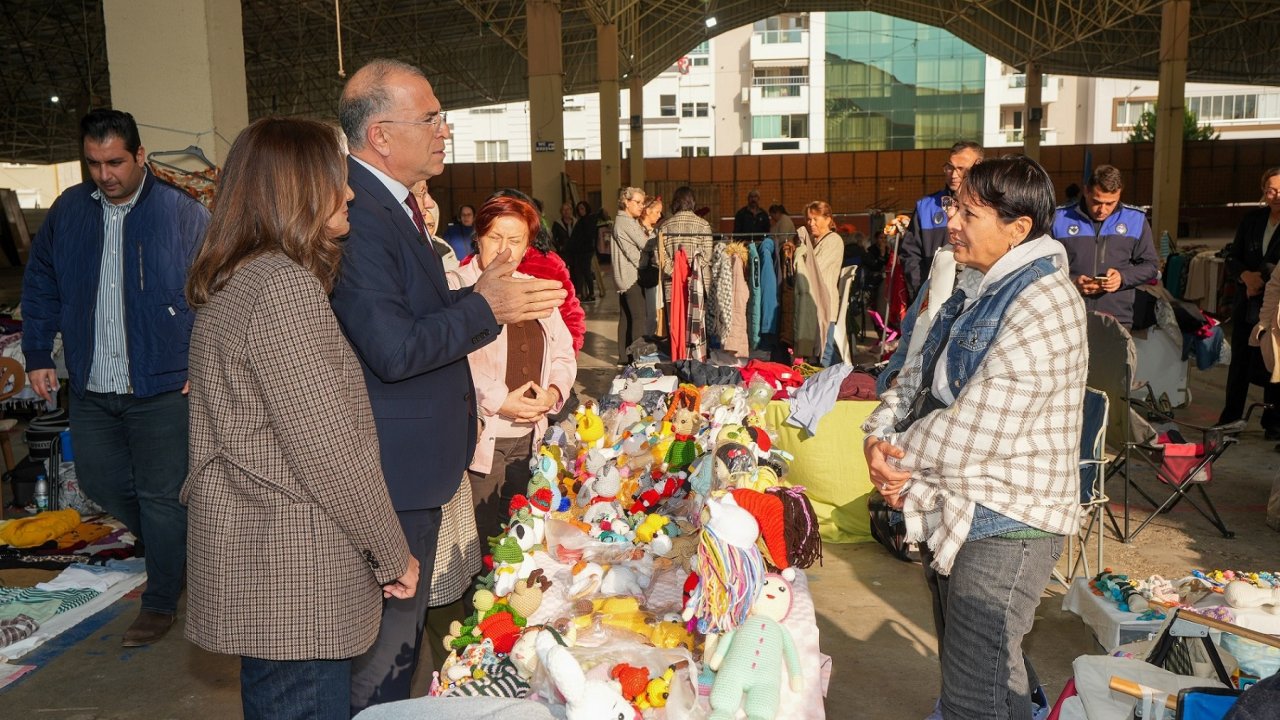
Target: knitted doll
(749, 659)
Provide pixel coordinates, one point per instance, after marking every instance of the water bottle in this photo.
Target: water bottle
(42, 493)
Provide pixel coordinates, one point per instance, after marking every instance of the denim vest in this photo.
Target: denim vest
(969, 334)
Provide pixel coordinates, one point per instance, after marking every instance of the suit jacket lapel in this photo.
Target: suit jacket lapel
(407, 231)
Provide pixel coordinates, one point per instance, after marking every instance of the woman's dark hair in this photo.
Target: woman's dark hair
(98, 125)
(582, 209)
(682, 200)
(283, 179)
(778, 208)
(1013, 186)
(541, 239)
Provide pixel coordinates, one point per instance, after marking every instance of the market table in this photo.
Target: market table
(830, 466)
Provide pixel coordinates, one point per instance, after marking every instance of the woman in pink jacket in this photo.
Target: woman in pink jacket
(520, 378)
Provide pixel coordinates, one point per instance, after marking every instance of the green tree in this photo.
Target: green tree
(1145, 129)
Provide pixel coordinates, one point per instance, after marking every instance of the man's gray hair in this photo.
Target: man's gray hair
(626, 194)
(367, 94)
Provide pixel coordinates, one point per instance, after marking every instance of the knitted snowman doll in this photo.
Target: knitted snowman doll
(749, 659)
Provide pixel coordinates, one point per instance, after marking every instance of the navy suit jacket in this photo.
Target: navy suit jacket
(412, 335)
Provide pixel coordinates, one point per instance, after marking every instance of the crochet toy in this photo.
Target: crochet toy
(658, 691)
(686, 420)
(1242, 594)
(585, 579)
(584, 699)
(767, 510)
(511, 565)
(632, 680)
(527, 596)
(749, 659)
(624, 579)
(590, 432)
(651, 527)
(788, 526)
(729, 567)
(629, 410)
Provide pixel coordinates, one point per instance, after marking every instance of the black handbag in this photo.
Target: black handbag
(647, 275)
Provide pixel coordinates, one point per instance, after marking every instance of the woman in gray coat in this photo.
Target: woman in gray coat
(292, 541)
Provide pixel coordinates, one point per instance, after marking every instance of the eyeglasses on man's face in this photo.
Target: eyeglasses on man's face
(955, 170)
(435, 120)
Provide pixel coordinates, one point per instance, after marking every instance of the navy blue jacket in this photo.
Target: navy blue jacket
(1123, 242)
(162, 233)
(926, 233)
(412, 335)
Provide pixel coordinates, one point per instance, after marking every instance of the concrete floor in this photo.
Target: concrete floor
(874, 617)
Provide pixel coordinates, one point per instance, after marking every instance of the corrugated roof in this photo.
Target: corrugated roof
(475, 50)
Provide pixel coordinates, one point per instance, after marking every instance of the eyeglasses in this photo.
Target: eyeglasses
(953, 170)
(949, 205)
(438, 120)
(1271, 192)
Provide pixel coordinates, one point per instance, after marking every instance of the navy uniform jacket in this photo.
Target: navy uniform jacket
(412, 335)
(1123, 241)
(927, 233)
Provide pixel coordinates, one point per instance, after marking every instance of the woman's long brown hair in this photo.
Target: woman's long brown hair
(284, 178)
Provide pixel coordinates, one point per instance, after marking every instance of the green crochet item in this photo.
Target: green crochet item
(681, 454)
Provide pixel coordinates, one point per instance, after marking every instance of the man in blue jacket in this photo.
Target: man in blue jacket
(1109, 245)
(108, 270)
(412, 335)
(928, 229)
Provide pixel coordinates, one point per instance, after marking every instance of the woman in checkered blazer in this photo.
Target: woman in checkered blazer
(292, 540)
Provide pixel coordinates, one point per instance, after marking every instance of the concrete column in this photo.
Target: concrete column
(637, 132)
(1033, 112)
(546, 101)
(185, 85)
(610, 149)
(1175, 25)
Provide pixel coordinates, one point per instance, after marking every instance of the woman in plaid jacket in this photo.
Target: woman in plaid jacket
(977, 442)
(292, 540)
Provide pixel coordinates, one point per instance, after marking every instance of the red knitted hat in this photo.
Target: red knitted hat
(768, 513)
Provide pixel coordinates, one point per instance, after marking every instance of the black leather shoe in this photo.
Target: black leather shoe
(147, 628)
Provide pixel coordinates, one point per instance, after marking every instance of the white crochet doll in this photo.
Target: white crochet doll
(749, 659)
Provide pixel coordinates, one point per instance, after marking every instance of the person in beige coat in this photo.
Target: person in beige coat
(1266, 334)
(292, 542)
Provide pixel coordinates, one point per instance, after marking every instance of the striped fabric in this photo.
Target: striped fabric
(68, 599)
(110, 370)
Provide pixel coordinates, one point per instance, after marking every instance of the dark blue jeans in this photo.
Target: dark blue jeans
(131, 459)
(295, 689)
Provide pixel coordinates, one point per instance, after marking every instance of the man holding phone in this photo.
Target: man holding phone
(1109, 245)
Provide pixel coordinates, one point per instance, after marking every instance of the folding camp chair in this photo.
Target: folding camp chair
(1093, 494)
(1132, 437)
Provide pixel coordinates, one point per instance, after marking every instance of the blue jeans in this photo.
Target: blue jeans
(988, 605)
(295, 689)
(131, 459)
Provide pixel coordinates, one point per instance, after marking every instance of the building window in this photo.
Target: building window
(700, 61)
(700, 109)
(779, 126)
(1128, 112)
(575, 154)
(492, 110)
(782, 29)
(574, 108)
(701, 48)
(695, 151)
(780, 81)
(491, 151)
(667, 105)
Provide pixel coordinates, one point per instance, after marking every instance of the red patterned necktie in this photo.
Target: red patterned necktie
(414, 210)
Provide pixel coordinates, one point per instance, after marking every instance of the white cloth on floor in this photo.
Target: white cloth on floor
(84, 576)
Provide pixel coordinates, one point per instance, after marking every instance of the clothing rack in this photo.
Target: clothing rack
(722, 236)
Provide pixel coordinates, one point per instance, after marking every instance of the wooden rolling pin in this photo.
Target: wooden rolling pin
(1218, 625)
(1133, 689)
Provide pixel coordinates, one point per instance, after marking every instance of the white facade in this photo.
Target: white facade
(1096, 111)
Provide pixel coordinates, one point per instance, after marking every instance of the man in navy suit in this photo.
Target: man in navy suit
(412, 335)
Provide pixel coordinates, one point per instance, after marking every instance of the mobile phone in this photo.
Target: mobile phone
(1100, 278)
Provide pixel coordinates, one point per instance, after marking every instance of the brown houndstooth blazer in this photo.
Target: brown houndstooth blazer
(291, 531)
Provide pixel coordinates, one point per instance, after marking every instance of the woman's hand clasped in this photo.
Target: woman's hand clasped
(529, 403)
(887, 479)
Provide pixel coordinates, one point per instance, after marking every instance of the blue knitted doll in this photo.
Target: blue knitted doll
(749, 659)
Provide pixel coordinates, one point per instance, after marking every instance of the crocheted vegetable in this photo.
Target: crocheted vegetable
(749, 659)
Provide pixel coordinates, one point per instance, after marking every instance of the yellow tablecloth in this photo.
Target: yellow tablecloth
(830, 466)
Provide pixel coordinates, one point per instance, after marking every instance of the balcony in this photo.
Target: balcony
(779, 95)
(780, 44)
(1048, 136)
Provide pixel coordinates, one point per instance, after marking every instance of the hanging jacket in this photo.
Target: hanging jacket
(768, 287)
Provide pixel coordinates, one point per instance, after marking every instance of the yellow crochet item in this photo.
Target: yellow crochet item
(39, 529)
(83, 533)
